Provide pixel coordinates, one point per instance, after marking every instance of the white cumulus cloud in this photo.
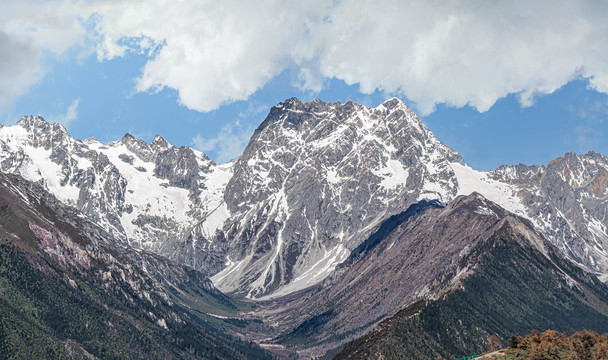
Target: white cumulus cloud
(431, 51)
(29, 32)
(18, 68)
(452, 52)
(211, 52)
(460, 53)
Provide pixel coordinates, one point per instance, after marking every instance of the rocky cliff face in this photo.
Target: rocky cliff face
(314, 182)
(425, 253)
(568, 201)
(471, 269)
(145, 194)
(311, 185)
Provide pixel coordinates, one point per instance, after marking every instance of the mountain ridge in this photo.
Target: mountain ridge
(71, 290)
(425, 256)
(247, 222)
(516, 286)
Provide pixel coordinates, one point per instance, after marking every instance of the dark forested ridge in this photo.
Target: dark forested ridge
(514, 289)
(67, 292)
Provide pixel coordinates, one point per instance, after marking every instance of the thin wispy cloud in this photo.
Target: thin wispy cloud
(591, 116)
(227, 145)
(253, 109)
(71, 114)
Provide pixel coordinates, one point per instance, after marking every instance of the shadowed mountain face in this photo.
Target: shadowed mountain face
(314, 182)
(69, 289)
(515, 287)
(477, 268)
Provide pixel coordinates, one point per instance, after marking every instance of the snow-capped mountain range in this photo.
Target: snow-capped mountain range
(313, 183)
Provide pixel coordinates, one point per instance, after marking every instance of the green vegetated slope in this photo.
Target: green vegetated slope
(514, 288)
(64, 293)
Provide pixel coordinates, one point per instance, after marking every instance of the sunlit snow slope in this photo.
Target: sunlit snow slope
(147, 194)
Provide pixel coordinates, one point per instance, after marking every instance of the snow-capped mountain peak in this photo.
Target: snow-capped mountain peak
(314, 181)
(160, 142)
(147, 194)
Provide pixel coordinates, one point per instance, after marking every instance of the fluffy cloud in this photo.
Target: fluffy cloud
(454, 52)
(30, 31)
(211, 52)
(436, 52)
(18, 68)
(430, 51)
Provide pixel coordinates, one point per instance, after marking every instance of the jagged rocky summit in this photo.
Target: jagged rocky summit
(315, 180)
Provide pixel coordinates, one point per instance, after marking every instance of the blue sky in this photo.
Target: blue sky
(495, 94)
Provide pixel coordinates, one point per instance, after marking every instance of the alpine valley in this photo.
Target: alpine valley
(341, 230)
